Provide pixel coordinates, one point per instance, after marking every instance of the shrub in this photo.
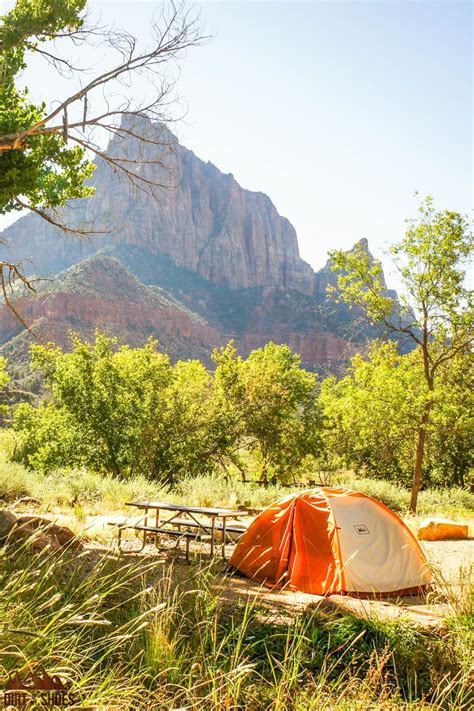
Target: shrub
(452, 501)
(17, 481)
(215, 490)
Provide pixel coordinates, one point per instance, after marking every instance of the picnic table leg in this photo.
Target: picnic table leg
(155, 535)
(157, 525)
(119, 542)
(223, 536)
(213, 530)
(145, 523)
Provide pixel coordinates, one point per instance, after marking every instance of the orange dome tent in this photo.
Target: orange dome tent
(328, 541)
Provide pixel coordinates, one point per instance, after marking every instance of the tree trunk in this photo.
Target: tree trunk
(264, 467)
(419, 457)
(425, 417)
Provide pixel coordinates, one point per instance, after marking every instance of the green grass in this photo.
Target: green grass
(99, 493)
(131, 635)
(215, 490)
(16, 481)
(66, 489)
(453, 502)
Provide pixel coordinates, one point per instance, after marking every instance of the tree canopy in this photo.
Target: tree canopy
(436, 309)
(130, 410)
(273, 405)
(39, 169)
(372, 416)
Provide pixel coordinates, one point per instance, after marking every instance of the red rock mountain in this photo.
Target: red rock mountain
(203, 262)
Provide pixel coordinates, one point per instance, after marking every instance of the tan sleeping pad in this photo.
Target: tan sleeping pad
(440, 529)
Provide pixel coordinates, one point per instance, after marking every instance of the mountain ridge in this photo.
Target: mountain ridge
(78, 301)
(207, 262)
(202, 219)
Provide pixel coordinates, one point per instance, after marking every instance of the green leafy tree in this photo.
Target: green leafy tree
(372, 416)
(123, 410)
(106, 394)
(48, 438)
(270, 403)
(38, 166)
(435, 311)
(451, 441)
(185, 436)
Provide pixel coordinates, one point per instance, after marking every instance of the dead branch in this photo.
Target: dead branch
(56, 222)
(9, 275)
(174, 33)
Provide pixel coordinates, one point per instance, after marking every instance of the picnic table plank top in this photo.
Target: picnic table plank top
(181, 507)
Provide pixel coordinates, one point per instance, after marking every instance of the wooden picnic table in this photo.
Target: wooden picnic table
(190, 517)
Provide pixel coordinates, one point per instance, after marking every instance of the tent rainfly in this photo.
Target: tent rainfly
(327, 541)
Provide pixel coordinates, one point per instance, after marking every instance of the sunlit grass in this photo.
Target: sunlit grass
(84, 493)
(134, 635)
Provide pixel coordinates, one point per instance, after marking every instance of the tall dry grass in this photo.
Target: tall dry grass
(97, 493)
(136, 634)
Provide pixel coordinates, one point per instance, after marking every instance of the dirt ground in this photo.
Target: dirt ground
(447, 557)
(452, 561)
(450, 556)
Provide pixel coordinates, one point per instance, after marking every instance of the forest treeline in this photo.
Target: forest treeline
(127, 411)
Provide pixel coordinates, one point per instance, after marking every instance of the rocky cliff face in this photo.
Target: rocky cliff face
(100, 293)
(204, 262)
(201, 218)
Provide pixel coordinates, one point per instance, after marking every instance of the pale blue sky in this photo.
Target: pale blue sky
(338, 111)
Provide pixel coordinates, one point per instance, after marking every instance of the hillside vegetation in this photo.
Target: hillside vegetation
(128, 411)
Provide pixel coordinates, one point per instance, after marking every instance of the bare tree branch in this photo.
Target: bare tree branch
(117, 114)
(46, 215)
(174, 33)
(9, 275)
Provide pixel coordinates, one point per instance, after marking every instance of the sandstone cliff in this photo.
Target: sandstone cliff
(99, 292)
(201, 218)
(204, 262)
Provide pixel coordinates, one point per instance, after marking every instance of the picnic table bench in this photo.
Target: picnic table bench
(190, 517)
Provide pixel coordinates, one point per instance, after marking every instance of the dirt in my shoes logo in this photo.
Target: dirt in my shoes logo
(23, 692)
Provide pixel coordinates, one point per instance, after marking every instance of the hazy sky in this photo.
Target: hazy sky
(339, 111)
